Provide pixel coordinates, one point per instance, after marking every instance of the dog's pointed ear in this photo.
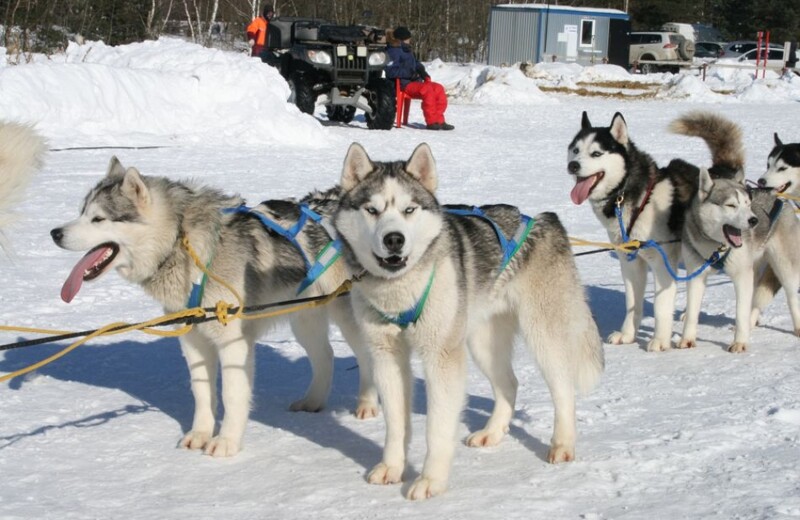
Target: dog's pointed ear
(619, 129)
(115, 168)
(585, 123)
(422, 167)
(739, 176)
(134, 188)
(778, 141)
(706, 183)
(357, 165)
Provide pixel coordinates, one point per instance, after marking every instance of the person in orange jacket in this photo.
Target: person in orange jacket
(257, 31)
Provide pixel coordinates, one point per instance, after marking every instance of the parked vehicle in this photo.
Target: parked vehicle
(343, 63)
(659, 46)
(739, 47)
(696, 32)
(708, 49)
(774, 57)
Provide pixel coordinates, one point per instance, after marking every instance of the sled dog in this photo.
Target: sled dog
(21, 154)
(436, 283)
(739, 230)
(783, 169)
(136, 224)
(615, 176)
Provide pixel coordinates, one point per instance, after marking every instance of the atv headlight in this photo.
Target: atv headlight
(377, 58)
(319, 57)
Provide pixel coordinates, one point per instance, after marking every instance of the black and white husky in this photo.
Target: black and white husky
(136, 224)
(634, 199)
(437, 281)
(21, 154)
(783, 169)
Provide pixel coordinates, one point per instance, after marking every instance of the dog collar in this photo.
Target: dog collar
(324, 259)
(510, 246)
(409, 317)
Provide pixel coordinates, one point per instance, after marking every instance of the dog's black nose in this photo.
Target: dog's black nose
(394, 241)
(762, 182)
(57, 235)
(753, 221)
(574, 166)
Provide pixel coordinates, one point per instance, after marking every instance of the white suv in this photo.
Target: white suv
(659, 46)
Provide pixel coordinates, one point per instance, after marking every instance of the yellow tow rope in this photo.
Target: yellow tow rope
(625, 247)
(221, 312)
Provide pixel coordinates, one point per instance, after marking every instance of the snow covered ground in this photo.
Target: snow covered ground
(682, 434)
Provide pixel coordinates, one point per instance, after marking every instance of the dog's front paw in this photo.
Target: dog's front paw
(687, 343)
(738, 347)
(222, 447)
(367, 410)
(658, 345)
(618, 338)
(561, 453)
(485, 438)
(195, 440)
(384, 474)
(307, 405)
(425, 487)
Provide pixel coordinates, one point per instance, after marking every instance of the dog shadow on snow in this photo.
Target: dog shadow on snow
(608, 309)
(155, 374)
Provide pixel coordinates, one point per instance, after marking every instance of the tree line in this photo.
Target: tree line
(454, 30)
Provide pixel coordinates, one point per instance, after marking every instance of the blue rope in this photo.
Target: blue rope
(714, 260)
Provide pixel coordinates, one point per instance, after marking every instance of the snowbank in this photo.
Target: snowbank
(171, 90)
(155, 90)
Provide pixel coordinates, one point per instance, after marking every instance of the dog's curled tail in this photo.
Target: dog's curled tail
(21, 153)
(723, 136)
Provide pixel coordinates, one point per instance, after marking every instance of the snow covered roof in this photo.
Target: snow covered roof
(565, 9)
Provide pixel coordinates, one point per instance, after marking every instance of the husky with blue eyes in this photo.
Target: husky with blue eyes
(438, 280)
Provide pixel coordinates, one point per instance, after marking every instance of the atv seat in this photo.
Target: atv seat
(403, 104)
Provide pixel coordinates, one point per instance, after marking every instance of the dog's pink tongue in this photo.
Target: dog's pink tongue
(581, 190)
(75, 278)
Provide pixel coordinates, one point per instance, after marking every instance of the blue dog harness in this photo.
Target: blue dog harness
(510, 246)
(324, 259)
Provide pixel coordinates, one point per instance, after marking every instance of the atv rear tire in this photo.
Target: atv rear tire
(341, 113)
(302, 94)
(381, 99)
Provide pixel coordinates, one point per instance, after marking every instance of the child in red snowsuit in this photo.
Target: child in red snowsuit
(414, 80)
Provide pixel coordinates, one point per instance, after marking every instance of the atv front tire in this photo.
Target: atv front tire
(302, 94)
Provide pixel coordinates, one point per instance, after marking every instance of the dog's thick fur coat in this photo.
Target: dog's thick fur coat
(136, 224)
(396, 233)
(22, 151)
(611, 171)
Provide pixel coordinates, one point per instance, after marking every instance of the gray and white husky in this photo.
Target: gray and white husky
(437, 283)
(624, 184)
(136, 224)
(21, 153)
(748, 230)
(783, 169)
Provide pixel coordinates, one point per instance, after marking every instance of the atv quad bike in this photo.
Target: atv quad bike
(343, 62)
